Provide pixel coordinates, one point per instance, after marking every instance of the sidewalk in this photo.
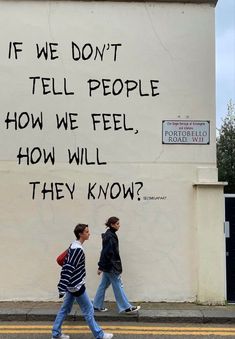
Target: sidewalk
(150, 312)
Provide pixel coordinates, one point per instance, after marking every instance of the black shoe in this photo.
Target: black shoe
(103, 309)
(132, 309)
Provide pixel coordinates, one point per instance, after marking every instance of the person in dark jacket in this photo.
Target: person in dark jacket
(110, 266)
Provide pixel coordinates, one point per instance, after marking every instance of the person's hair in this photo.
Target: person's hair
(111, 220)
(79, 229)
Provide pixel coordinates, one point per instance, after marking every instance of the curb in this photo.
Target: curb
(144, 316)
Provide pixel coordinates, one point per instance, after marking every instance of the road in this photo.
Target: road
(42, 330)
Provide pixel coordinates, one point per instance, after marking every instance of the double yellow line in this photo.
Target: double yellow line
(119, 329)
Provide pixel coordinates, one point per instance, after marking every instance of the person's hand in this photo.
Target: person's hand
(99, 271)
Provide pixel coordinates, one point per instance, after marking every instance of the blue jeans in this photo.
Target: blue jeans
(119, 293)
(87, 311)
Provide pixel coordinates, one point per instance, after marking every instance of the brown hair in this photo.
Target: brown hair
(79, 229)
(111, 220)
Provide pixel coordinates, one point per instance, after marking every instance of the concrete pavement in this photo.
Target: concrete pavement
(150, 312)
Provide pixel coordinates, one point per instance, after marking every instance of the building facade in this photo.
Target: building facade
(108, 108)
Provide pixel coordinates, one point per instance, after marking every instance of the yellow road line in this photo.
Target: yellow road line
(156, 332)
(124, 327)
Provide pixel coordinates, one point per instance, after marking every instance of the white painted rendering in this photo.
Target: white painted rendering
(162, 240)
(210, 243)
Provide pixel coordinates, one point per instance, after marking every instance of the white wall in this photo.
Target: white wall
(172, 43)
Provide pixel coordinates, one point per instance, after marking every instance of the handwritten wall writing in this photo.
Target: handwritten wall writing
(58, 84)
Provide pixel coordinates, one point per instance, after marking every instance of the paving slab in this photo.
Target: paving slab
(150, 312)
(215, 315)
(168, 315)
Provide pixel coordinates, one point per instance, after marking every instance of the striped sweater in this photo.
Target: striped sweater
(73, 272)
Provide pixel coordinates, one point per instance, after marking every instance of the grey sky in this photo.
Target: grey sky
(225, 56)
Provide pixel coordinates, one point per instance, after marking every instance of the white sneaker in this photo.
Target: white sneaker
(62, 336)
(102, 309)
(107, 336)
(133, 309)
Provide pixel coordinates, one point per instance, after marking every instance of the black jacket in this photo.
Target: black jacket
(110, 260)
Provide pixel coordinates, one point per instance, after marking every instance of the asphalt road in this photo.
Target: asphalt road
(42, 330)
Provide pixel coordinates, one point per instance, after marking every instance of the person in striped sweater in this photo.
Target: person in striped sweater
(72, 287)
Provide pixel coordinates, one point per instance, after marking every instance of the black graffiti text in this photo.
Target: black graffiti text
(108, 121)
(114, 190)
(14, 49)
(46, 85)
(35, 155)
(90, 52)
(52, 190)
(82, 157)
(116, 87)
(23, 120)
